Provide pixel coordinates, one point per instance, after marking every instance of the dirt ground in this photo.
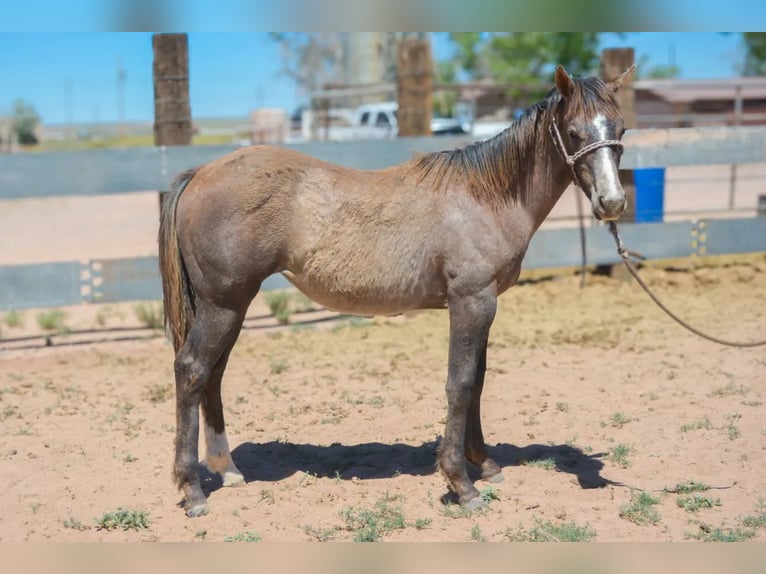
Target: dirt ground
(593, 399)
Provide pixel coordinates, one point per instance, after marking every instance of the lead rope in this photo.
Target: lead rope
(625, 254)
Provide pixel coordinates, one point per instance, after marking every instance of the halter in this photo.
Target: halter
(572, 160)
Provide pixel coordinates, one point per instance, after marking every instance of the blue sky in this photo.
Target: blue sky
(75, 74)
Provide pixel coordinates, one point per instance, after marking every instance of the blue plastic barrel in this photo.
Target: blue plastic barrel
(650, 194)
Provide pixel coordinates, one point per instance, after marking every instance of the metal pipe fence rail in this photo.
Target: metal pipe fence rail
(139, 169)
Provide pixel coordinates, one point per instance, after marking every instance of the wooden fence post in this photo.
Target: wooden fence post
(414, 87)
(172, 112)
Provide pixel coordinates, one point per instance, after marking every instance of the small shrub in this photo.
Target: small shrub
(476, 534)
(278, 366)
(74, 524)
(550, 532)
(489, 494)
(52, 320)
(689, 486)
(124, 520)
(243, 537)
(150, 314)
(370, 525)
(320, 534)
(157, 393)
(279, 304)
(14, 319)
(703, 423)
(619, 419)
(619, 455)
(709, 533)
(544, 463)
(695, 502)
(639, 510)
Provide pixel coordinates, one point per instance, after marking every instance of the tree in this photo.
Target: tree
(525, 57)
(313, 59)
(660, 72)
(755, 53)
(24, 122)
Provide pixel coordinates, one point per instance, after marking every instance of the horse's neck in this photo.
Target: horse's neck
(546, 181)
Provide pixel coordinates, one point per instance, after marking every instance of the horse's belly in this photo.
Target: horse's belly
(359, 297)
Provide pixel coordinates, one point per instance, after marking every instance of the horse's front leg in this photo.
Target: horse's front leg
(475, 448)
(471, 316)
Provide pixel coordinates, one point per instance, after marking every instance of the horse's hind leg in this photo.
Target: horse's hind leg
(475, 448)
(218, 456)
(210, 338)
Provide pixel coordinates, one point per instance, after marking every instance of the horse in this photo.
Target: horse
(443, 230)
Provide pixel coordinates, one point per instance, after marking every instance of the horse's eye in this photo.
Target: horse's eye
(574, 134)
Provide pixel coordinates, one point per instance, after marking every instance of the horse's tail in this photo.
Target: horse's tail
(177, 292)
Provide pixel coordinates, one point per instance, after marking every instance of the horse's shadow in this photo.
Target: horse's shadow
(273, 461)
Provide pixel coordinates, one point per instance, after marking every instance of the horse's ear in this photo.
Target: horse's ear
(564, 83)
(624, 77)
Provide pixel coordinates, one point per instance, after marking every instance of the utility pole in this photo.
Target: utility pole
(121, 76)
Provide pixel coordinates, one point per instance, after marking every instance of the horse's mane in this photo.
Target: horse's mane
(492, 168)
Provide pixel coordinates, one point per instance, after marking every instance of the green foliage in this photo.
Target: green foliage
(14, 319)
(243, 537)
(544, 463)
(489, 494)
(695, 502)
(279, 304)
(24, 123)
(703, 423)
(689, 486)
(124, 520)
(619, 455)
(755, 53)
(550, 532)
(525, 57)
(476, 534)
(369, 525)
(52, 320)
(150, 314)
(74, 524)
(157, 393)
(639, 510)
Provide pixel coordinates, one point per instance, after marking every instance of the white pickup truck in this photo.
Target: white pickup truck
(374, 121)
(379, 121)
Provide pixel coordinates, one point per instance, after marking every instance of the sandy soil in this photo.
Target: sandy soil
(335, 423)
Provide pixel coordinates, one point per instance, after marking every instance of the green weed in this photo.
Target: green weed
(124, 520)
(243, 537)
(639, 510)
(550, 532)
(695, 502)
(150, 314)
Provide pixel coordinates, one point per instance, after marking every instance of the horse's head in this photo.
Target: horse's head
(587, 129)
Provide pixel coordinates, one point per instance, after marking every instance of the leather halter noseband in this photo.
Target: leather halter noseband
(572, 160)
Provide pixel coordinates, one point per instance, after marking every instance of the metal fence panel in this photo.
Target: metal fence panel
(561, 247)
(722, 236)
(109, 171)
(135, 279)
(41, 285)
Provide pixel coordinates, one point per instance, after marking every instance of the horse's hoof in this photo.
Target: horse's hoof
(233, 479)
(474, 503)
(497, 477)
(196, 511)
